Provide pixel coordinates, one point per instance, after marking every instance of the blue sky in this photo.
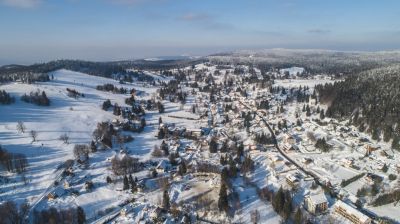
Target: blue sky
(42, 30)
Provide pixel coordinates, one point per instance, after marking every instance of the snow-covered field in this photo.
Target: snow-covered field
(295, 83)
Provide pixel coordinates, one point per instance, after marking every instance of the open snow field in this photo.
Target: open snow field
(295, 83)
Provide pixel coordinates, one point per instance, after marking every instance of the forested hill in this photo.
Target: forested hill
(315, 62)
(370, 99)
(104, 69)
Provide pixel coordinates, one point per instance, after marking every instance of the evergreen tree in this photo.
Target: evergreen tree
(278, 200)
(222, 160)
(240, 150)
(287, 206)
(322, 114)
(298, 217)
(143, 122)
(164, 148)
(182, 168)
(224, 176)
(223, 204)
(161, 133)
(308, 111)
(126, 183)
(117, 110)
(375, 134)
(232, 168)
(130, 179)
(395, 143)
(93, 146)
(213, 146)
(108, 179)
(133, 187)
(81, 215)
(166, 202)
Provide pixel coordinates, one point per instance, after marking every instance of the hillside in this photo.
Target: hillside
(371, 99)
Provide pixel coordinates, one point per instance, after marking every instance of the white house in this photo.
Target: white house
(316, 203)
(350, 213)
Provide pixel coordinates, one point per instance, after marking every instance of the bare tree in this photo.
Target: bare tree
(311, 136)
(64, 138)
(34, 135)
(255, 216)
(157, 152)
(120, 139)
(163, 182)
(21, 127)
(124, 164)
(81, 153)
(10, 213)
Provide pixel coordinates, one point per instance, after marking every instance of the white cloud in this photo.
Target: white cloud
(21, 3)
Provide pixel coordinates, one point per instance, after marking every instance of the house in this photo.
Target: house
(350, 213)
(275, 158)
(123, 212)
(316, 203)
(290, 147)
(58, 192)
(371, 148)
(194, 132)
(163, 167)
(66, 185)
(292, 181)
(380, 165)
(371, 178)
(307, 160)
(348, 162)
(290, 139)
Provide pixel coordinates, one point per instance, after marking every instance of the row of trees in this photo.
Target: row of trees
(13, 162)
(130, 183)
(112, 88)
(263, 138)
(39, 98)
(11, 213)
(53, 216)
(125, 164)
(282, 203)
(81, 153)
(5, 98)
(323, 145)
(24, 77)
(74, 94)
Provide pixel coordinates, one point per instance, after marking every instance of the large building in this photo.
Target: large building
(316, 203)
(351, 214)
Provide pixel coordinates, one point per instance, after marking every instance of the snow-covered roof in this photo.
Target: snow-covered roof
(352, 211)
(291, 178)
(164, 164)
(318, 198)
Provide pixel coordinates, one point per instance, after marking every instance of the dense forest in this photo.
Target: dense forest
(315, 62)
(371, 100)
(104, 69)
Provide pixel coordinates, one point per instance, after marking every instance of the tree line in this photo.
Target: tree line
(6, 98)
(39, 98)
(13, 162)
